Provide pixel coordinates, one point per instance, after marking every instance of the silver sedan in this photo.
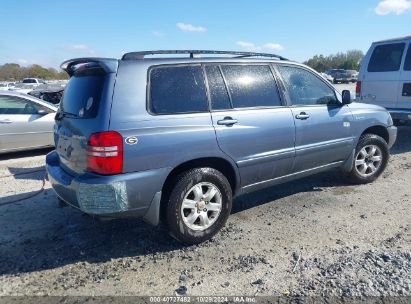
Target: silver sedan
(26, 122)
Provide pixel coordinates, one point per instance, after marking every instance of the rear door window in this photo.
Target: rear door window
(82, 95)
(386, 58)
(251, 86)
(407, 64)
(177, 89)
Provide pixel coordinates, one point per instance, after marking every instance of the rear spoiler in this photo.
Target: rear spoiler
(110, 65)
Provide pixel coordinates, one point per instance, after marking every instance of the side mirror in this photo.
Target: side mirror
(346, 97)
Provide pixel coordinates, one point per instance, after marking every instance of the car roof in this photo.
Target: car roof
(187, 56)
(29, 97)
(172, 57)
(153, 62)
(196, 53)
(176, 60)
(406, 38)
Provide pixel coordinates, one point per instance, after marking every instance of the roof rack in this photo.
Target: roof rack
(193, 53)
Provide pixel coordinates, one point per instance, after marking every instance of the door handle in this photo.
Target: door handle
(5, 121)
(406, 89)
(302, 116)
(227, 121)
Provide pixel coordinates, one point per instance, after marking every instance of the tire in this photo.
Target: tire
(186, 188)
(366, 167)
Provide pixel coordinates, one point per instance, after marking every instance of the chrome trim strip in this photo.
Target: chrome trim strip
(267, 156)
(325, 144)
(294, 174)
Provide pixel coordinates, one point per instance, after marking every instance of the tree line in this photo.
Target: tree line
(15, 72)
(349, 60)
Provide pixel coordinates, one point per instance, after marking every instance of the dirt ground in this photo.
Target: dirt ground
(315, 236)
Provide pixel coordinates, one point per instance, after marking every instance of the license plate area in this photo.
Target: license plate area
(64, 148)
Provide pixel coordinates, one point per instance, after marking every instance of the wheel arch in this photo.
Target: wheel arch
(378, 130)
(226, 167)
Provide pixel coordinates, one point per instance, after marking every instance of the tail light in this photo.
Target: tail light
(105, 153)
(358, 89)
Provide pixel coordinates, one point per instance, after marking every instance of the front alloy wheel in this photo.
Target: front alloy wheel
(368, 160)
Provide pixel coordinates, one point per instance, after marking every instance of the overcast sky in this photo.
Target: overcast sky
(47, 32)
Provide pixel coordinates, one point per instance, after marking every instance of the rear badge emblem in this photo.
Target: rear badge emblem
(131, 140)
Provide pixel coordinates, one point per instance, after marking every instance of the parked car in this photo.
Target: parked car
(175, 139)
(25, 122)
(385, 77)
(5, 86)
(352, 75)
(49, 94)
(338, 75)
(23, 87)
(33, 81)
(327, 77)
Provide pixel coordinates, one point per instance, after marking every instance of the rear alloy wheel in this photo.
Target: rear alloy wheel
(198, 205)
(370, 159)
(201, 206)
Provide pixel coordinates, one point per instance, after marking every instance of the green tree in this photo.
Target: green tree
(14, 72)
(10, 71)
(349, 60)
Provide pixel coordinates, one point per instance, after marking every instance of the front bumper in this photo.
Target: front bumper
(400, 114)
(115, 196)
(392, 135)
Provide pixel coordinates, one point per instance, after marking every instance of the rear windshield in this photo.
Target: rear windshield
(386, 58)
(83, 93)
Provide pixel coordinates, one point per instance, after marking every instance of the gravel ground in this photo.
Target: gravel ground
(316, 236)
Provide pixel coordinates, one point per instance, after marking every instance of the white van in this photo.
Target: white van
(385, 77)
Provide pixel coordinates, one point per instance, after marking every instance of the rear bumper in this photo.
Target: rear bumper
(400, 114)
(115, 196)
(392, 135)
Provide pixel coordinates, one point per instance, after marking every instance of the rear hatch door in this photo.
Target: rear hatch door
(380, 80)
(84, 109)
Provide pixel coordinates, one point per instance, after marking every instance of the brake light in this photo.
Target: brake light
(358, 89)
(105, 153)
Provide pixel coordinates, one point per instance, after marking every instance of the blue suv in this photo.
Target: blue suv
(174, 138)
